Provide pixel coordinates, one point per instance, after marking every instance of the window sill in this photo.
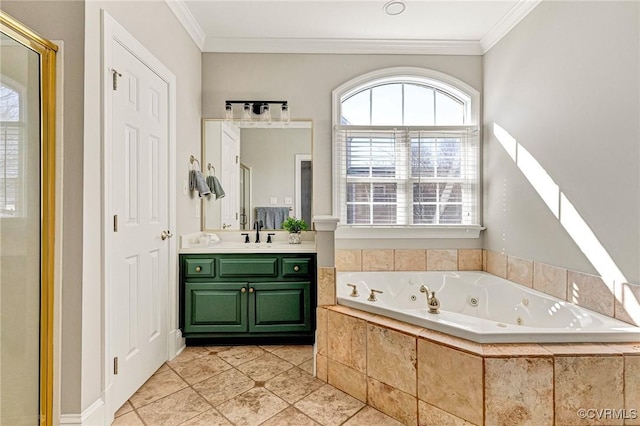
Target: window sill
(440, 231)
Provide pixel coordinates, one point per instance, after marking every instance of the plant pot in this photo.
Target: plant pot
(295, 238)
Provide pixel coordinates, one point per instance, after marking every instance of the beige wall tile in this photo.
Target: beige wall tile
(587, 382)
(347, 340)
(393, 402)
(428, 415)
(496, 263)
(519, 391)
(590, 291)
(632, 387)
(377, 260)
(550, 280)
(470, 260)
(442, 260)
(393, 324)
(464, 345)
(321, 367)
(520, 271)
(410, 260)
(450, 380)
(347, 380)
(321, 331)
(326, 286)
(391, 358)
(627, 303)
(348, 260)
(581, 349)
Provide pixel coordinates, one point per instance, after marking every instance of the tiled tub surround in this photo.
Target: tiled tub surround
(440, 379)
(479, 306)
(422, 377)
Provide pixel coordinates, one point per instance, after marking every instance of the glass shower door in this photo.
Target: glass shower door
(26, 234)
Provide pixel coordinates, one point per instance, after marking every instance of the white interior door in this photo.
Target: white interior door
(139, 198)
(230, 172)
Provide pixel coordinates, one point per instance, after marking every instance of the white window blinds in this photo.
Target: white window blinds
(408, 176)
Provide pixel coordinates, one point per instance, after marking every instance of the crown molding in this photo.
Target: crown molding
(351, 46)
(188, 21)
(506, 23)
(342, 46)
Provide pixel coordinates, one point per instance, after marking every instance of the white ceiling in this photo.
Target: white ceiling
(358, 26)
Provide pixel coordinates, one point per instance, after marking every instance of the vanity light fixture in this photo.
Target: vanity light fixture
(395, 7)
(260, 110)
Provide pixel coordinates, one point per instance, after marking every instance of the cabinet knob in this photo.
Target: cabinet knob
(251, 290)
(296, 268)
(198, 268)
(243, 290)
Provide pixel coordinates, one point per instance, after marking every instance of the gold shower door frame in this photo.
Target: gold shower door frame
(47, 52)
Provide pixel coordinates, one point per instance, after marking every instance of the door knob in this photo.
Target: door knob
(165, 234)
(251, 290)
(243, 290)
(296, 268)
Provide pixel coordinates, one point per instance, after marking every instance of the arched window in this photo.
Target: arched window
(406, 151)
(11, 135)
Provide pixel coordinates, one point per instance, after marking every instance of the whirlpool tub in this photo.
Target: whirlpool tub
(481, 307)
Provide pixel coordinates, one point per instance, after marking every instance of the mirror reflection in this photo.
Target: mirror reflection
(264, 169)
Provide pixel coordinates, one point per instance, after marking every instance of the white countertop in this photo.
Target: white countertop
(235, 247)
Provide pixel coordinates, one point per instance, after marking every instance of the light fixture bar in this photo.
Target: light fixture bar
(259, 108)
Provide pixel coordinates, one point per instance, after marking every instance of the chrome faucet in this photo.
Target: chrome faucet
(257, 226)
(432, 301)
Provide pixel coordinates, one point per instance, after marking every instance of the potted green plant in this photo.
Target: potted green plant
(294, 226)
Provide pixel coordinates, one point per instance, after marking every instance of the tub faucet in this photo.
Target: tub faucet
(432, 301)
(372, 296)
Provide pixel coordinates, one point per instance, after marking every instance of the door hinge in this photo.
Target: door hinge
(236, 215)
(237, 158)
(115, 365)
(115, 223)
(115, 74)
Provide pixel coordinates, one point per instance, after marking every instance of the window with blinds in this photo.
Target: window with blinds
(406, 155)
(407, 176)
(11, 140)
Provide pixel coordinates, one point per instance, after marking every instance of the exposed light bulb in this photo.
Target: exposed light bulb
(284, 113)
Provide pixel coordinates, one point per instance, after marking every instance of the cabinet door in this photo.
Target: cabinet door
(215, 307)
(279, 306)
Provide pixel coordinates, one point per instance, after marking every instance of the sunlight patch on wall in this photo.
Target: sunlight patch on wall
(567, 214)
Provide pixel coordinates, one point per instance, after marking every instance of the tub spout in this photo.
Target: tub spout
(432, 301)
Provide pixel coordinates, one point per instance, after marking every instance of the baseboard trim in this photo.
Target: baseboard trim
(93, 415)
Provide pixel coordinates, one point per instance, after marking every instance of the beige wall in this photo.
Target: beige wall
(306, 81)
(564, 83)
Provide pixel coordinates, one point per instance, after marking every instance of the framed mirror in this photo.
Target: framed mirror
(264, 170)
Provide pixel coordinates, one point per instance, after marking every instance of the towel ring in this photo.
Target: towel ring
(193, 159)
(209, 167)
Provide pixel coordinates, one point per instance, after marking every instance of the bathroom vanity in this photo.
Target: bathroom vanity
(248, 293)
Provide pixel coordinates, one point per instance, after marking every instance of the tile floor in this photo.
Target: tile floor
(244, 385)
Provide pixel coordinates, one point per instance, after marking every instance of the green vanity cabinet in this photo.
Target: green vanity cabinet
(248, 298)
